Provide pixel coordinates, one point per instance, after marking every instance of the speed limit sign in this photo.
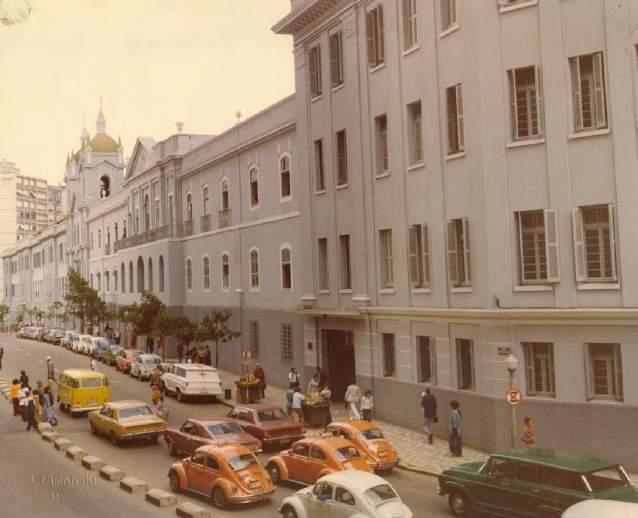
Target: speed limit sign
(246, 355)
(514, 397)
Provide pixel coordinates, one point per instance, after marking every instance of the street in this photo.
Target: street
(29, 460)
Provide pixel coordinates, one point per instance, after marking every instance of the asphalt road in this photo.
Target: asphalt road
(26, 460)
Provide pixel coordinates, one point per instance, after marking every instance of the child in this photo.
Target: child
(367, 404)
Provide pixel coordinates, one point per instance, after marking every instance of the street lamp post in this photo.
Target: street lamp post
(511, 362)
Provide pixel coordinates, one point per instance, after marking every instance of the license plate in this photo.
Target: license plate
(92, 402)
(254, 485)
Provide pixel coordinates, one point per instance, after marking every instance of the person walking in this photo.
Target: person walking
(367, 405)
(22, 396)
(353, 399)
(93, 364)
(24, 379)
(428, 403)
(260, 376)
(117, 337)
(50, 369)
(456, 421)
(1, 355)
(293, 376)
(289, 395)
(180, 351)
(529, 434)
(30, 408)
(297, 405)
(47, 407)
(322, 377)
(14, 394)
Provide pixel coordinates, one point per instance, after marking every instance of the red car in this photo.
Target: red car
(268, 423)
(125, 359)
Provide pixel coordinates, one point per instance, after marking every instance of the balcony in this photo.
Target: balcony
(188, 228)
(204, 223)
(224, 218)
(147, 237)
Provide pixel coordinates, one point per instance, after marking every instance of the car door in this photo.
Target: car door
(561, 488)
(196, 473)
(496, 492)
(527, 491)
(317, 504)
(316, 463)
(105, 420)
(344, 504)
(297, 462)
(186, 437)
(212, 472)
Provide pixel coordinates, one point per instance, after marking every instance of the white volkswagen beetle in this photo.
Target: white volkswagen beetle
(352, 494)
(602, 509)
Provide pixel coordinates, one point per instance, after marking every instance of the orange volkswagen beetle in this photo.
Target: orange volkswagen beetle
(314, 457)
(380, 454)
(226, 474)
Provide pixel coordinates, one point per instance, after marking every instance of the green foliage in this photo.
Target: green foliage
(184, 330)
(82, 301)
(214, 327)
(4, 310)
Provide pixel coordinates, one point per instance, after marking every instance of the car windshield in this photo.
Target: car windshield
(380, 494)
(242, 461)
(608, 478)
(271, 415)
(135, 411)
(224, 428)
(372, 434)
(347, 453)
(91, 382)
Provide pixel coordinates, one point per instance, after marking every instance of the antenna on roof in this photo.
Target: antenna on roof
(180, 126)
(238, 116)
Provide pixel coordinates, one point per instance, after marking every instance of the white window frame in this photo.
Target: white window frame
(225, 187)
(206, 207)
(253, 275)
(387, 258)
(598, 93)
(375, 36)
(456, 120)
(320, 165)
(314, 71)
(454, 225)
(419, 255)
(536, 103)
(282, 264)
(551, 247)
(548, 373)
(382, 144)
(225, 277)
(206, 275)
(336, 59)
(285, 158)
(580, 260)
(410, 25)
(617, 375)
(345, 263)
(188, 266)
(449, 14)
(416, 153)
(342, 157)
(322, 266)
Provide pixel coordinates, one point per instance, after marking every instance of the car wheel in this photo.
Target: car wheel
(173, 481)
(93, 428)
(273, 471)
(459, 503)
(219, 498)
(114, 440)
(179, 395)
(288, 512)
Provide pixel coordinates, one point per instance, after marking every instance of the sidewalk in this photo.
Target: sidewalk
(415, 453)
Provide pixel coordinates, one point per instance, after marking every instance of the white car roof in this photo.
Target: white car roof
(602, 508)
(97, 338)
(195, 367)
(85, 336)
(356, 480)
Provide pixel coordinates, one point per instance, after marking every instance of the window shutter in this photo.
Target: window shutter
(452, 130)
(452, 257)
(612, 241)
(380, 42)
(414, 257)
(519, 220)
(599, 90)
(551, 245)
(589, 379)
(313, 73)
(334, 52)
(512, 74)
(460, 126)
(318, 69)
(370, 35)
(579, 246)
(425, 248)
(539, 99)
(577, 106)
(529, 364)
(618, 372)
(466, 243)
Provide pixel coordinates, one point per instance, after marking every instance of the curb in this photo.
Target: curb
(416, 469)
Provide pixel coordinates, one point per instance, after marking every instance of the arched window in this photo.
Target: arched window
(147, 213)
(161, 273)
(225, 195)
(91, 281)
(123, 272)
(115, 288)
(254, 187)
(99, 238)
(206, 271)
(254, 268)
(225, 272)
(105, 186)
(123, 228)
(189, 273)
(286, 267)
(130, 276)
(99, 282)
(107, 281)
(150, 274)
(189, 207)
(140, 275)
(206, 200)
(284, 177)
(116, 235)
(108, 236)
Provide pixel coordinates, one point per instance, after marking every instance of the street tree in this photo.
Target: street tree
(83, 302)
(4, 311)
(185, 330)
(214, 327)
(164, 325)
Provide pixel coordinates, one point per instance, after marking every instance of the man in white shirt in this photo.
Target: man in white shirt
(353, 398)
(297, 405)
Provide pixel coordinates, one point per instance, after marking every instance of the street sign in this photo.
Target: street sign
(514, 397)
(246, 355)
(504, 350)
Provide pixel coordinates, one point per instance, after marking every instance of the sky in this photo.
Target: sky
(154, 63)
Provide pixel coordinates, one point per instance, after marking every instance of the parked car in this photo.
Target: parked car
(40, 334)
(380, 454)
(125, 358)
(82, 343)
(34, 332)
(346, 493)
(96, 346)
(23, 332)
(226, 474)
(144, 364)
(109, 355)
(68, 338)
(313, 457)
(217, 431)
(82, 390)
(191, 380)
(602, 509)
(46, 335)
(532, 482)
(125, 421)
(268, 423)
(56, 336)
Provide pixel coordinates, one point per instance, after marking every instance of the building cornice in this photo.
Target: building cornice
(304, 15)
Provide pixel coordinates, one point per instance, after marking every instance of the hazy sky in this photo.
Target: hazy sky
(154, 62)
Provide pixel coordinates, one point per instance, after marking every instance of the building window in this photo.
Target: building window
(225, 198)
(465, 363)
(526, 103)
(342, 158)
(123, 275)
(150, 274)
(161, 273)
(410, 33)
(588, 92)
(189, 273)
(415, 133)
(539, 362)
(336, 59)
(206, 265)
(253, 337)
(285, 189)
(254, 269)
(455, 123)
(189, 207)
(254, 187)
(448, 13)
(594, 243)
(130, 277)
(225, 272)
(322, 246)
(320, 180)
(314, 68)
(425, 359)
(419, 255)
(99, 282)
(604, 376)
(389, 354)
(538, 246)
(374, 31)
(381, 141)
(170, 211)
(206, 200)
(286, 268)
(114, 281)
(387, 262)
(458, 252)
(285, 337)
(344, 253)
(147, 213)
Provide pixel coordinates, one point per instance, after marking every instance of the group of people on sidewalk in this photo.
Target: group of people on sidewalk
(32, 405)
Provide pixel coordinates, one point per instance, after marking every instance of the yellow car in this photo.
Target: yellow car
(82, 390)
(126, 420)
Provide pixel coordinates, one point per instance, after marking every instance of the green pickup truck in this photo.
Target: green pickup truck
(532, 483)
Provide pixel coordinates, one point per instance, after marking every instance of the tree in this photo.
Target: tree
(83, 301)
(185, 330)
(164, 325)
(38, 314)
(55, 311)
(214, 327)
(4, 311)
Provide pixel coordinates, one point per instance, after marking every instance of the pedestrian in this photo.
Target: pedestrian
(367, 405)
(289, 394)
(353, 399)
(24, 379)
(47, 406)
(14, 394)
(313, 385)
(30, 409)
(428, 403)
(293, 376)
(155, 393)
(529, 434)
(180, 351)
(1, 355)
(39, 389)
(321, 377)
(118, 337)
(93, 364)
(149, 344)
(456, 420)
(325, 395)
(260, 376)
(24, 392)
(36, 395)
(207, 355)
(297, 405)
(50, 369)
